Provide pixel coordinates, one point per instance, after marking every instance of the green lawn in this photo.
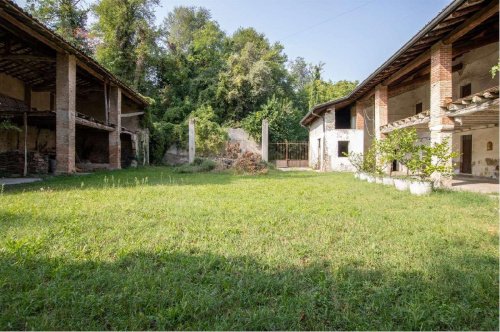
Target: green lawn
(150, 249)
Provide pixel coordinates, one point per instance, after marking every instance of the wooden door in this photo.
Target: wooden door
(466, 164)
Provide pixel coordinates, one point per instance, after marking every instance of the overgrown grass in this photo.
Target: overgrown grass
(154, 249)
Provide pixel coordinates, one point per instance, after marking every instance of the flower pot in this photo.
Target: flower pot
(378, 179)
(356, 175)
(418, 187)
(401, 184)
(370, 178)
(387, 181)
(363, 176)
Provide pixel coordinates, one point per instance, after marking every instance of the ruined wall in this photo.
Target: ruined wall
(132, 123)
(484, 162)
(367, 110)
(476, 69)
(11, 87)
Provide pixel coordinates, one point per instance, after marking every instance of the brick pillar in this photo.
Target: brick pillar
(441, 127)
(360, 119)
(381, 114)
(65, 112)
(115, 111)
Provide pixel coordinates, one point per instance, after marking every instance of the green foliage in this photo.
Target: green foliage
(283, 120)
(495, 69)
(7, 125)
(199, 165)
(165, 134)
(356, 159)
(399, 145)
(370, 164)
(128, 38)
(66, 17)
(210, 136)
(429, 159)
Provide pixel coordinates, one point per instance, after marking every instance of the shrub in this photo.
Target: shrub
(399, 145)
(210, 136)
(197, 166)
(429, 159)
(356, 160)
(250, 163)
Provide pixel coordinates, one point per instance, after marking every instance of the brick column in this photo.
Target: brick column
(115, 111)
(360, 119)
(441, 127)
(65, 112)
(381, 114)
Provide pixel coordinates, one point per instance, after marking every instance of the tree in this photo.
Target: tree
(283, 120)
(255, 70)
(66, 17)
(128, 38)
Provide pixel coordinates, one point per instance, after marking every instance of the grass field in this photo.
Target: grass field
(151, 249)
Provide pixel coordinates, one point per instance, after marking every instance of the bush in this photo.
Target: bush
(199, 165)
(429, 159)
(210, 136)
(250, 163)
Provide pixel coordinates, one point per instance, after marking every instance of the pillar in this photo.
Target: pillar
(265, 140)
(65, 112)
(192, 142)
(115, 111)
(440, 126)
(381, 113)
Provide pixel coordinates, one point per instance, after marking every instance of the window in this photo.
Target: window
(489, 146)
(465, 90)
(418, 108)
(343, 148)
(343, 118)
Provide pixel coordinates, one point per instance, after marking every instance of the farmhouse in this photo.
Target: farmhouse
(439, 82)
(64, 111)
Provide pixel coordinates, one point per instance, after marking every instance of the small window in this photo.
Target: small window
(489, 146)
(343, 148)
(418, 108)
(465, 90)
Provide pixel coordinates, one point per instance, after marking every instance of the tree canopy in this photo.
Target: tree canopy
(191, 67)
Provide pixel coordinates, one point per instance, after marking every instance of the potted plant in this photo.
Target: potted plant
(401, 183)
(427, 161)
(370, 163)
(356, 160)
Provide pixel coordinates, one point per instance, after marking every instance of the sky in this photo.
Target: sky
(352, 37)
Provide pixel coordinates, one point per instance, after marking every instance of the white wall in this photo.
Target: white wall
(484, 162)
(332, 136)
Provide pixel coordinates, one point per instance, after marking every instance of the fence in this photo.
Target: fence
(289, 154)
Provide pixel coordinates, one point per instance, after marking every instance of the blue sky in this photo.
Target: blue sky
(352, 37)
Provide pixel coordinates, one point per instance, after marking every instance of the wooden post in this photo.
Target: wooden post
(25, 126)
(265, 140)
(192, 143)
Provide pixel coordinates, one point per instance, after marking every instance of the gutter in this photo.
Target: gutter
(426, 29)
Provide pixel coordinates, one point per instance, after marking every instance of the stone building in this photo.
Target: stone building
(72, 113)
(439, 82)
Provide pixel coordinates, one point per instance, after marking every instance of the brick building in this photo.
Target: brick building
(439, 82)
(73, 114)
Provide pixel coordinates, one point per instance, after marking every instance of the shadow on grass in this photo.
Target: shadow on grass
(145, 176)
(197, 290)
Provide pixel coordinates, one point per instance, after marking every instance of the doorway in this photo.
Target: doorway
(466, 163)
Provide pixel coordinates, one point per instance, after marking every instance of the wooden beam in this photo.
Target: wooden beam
(472, 22)
(420, 60)
(91, 124)
(27, 57)
(128, 115)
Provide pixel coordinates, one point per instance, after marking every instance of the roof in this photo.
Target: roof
(55, 41)
(446, 21)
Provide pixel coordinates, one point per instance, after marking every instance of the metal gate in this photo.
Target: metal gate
(289, 154)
